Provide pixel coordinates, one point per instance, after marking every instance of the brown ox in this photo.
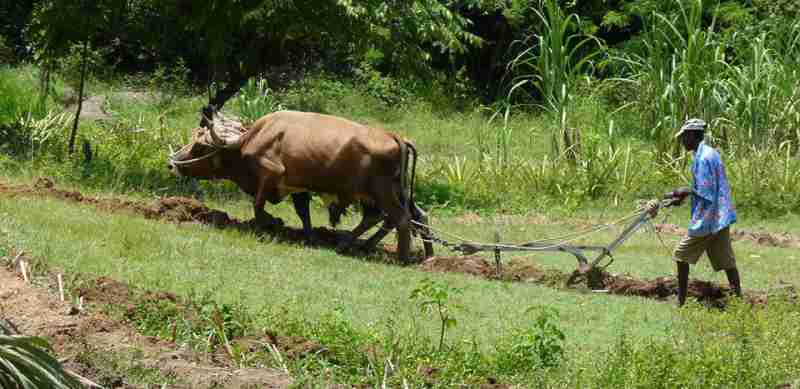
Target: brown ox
(295, 153)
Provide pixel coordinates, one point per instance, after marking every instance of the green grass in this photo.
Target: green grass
(309, 282)
(467, 161)
(307, 285)
(164, 256)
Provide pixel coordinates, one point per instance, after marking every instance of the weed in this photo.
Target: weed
(540, 346)
(435, 297)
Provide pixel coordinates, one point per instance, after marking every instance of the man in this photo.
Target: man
(712, 212)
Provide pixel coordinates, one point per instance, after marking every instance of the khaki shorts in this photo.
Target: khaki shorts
(717, 246)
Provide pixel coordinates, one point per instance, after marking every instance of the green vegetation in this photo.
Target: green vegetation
(25, 364)
(533, 118)
(349, 305)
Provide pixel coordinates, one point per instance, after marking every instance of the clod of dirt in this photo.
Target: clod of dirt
(476, 265)
(107, 291)
(661, 288)
(492, 383)
(184, 209)
(473, 264)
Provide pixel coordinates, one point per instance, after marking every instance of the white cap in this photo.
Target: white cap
(693, 124)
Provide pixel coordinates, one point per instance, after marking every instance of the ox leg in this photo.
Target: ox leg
(264, 219)
(370, 217)
(398, 216)
(421, 217)
(385, 229)
(301, 206)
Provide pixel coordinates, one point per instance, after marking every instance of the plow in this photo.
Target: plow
(592, 259)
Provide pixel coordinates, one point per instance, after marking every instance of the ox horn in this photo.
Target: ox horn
(216, 138)
(230, 126)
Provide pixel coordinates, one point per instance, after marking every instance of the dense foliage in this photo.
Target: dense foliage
(603, 83)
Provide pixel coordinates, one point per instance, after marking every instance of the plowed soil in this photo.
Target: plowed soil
(708, 293)
(181, 209)
(74, 334)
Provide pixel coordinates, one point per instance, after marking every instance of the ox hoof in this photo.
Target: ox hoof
(313, 240)
(345, 247)
(269, 223)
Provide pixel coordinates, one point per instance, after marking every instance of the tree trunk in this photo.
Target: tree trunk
(84, 55)
(44, 80)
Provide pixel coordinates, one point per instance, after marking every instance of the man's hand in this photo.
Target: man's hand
(678, 195)
(652, 208)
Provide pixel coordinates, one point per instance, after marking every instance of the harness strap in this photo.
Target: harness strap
(193, 160)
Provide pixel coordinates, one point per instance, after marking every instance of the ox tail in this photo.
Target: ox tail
(411, 150)
(407, 152)
(417, 214)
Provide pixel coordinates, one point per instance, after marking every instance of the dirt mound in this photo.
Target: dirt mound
(184, 209)
(44, 183)
(661, 288)
(523, 271)
(514, 270)
(107, 291)
(181, 210)
(473, 264)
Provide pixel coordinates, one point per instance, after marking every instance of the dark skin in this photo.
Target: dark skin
(691, 141)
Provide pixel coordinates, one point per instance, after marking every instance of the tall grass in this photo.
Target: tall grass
(676, 72)
(559, 55)
(747, 87)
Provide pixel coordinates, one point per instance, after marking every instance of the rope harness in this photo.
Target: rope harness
(193, 160)
(634, 221)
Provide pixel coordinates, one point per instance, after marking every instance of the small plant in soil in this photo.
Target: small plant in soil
(538, 346)
(434, 297)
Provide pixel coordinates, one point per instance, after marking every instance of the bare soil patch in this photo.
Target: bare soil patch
(708, 293)
(77, 335)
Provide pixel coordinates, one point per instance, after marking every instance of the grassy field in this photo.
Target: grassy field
(310, 285)
(476, 177)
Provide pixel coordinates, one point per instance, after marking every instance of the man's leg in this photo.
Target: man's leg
(733, 280)
(687, 252)
(683, 282)
(720, 252)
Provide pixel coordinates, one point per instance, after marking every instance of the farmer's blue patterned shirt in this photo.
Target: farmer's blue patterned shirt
(712, 206)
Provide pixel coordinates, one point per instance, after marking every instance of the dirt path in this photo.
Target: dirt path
(87, 341)
(181, 209)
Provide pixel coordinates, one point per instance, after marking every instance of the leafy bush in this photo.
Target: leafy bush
(538, 347)
(167, 84)
(256, 99)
